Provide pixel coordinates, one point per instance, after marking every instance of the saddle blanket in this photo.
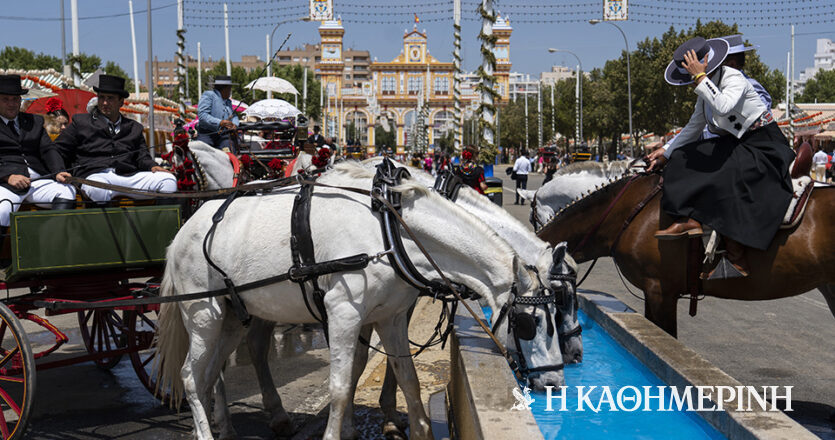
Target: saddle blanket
(802, 190)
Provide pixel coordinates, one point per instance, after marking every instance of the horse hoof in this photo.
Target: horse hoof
(283, 427)
(393, 432)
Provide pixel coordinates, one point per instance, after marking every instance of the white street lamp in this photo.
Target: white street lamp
(578, 95)
(628, 84)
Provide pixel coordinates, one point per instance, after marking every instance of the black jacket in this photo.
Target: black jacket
(33, 149)
(317, 139)
(88, 144)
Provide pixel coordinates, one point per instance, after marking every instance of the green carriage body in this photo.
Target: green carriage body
(52, 243)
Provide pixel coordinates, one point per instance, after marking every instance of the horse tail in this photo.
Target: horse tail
(172, 341)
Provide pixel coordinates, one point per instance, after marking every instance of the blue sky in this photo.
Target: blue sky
(537, 25)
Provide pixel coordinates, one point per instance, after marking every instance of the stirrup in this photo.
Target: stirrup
(724, 270)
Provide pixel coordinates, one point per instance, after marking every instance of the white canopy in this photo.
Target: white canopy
(273, 84)
(272, 108)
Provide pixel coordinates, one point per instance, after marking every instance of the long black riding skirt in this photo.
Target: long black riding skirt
(739, 187)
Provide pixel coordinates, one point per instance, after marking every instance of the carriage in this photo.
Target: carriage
(102, 264)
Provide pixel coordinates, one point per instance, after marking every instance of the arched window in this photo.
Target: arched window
(442, 123)
(356, 128)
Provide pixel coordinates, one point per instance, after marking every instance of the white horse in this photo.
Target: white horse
(197, 336)
(531, 249)
(570, 183)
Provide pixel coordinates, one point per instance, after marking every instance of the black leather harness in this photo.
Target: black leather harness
(447, 184)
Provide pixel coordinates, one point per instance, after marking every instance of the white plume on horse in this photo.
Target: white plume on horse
(570, 183)
(273, 84)
(272, 108)
(252, 243)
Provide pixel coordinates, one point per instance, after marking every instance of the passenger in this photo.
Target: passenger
(109, 148)
(738, 183)
(26, 154)
(56, 119)
(215, 113)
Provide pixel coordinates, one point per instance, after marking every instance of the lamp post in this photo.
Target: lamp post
(270, 45)
(628, 83)
(578, 94)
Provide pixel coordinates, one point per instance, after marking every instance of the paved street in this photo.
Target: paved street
(783, 342)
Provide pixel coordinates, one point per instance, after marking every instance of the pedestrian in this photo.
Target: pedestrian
(470, 172)
(550, 169)
(820, 159)
(737, 183)
(215, 113)
(522, 168)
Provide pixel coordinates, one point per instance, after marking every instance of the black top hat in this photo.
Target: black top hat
(10, 85)
(112, 84)
(715, 49)
(223, 80)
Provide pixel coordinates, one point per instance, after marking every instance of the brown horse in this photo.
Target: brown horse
(798, 260)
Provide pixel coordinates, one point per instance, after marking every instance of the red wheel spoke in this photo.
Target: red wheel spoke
(8, 356)
(9, 401)
(12, 379)
(150, 358)
(4, 429)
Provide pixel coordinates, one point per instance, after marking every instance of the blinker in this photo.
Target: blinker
(525, 326)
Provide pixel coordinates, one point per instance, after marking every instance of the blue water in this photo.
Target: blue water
(605, 363)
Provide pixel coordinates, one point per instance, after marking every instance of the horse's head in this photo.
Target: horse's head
(532, 330)
(562, 280)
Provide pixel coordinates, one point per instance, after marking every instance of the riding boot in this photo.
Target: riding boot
(733, 264)
(62, 203)
(685, 227)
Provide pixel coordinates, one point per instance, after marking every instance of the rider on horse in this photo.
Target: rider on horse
(737, 183)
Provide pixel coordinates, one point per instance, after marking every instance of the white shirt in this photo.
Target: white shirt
(522, 165)
(16, 123)
(820, 158)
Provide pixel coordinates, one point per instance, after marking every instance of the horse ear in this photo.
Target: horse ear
(559, 251)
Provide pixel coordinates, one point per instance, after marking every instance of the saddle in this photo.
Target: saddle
(802, 186)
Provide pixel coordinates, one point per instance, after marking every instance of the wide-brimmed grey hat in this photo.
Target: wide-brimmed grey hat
(223, 80)
(716, 50)
(736, 44)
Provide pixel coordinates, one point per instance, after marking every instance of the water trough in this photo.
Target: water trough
(479, 395)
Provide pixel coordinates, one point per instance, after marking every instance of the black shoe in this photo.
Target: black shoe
(62, 203)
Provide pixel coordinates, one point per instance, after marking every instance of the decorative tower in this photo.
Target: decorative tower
(330, 67)
(501, 50)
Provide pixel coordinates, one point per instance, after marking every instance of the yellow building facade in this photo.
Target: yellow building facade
(397, 88)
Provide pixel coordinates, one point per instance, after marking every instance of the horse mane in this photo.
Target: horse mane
(412, 188)
(583, 201)
(606, 169)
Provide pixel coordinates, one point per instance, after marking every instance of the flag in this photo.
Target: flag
(417, 20)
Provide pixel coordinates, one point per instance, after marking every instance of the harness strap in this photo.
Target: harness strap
(606, 213)
(447, 184)
(301, 248)
(185, 194)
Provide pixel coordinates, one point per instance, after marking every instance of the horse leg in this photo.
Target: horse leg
(828, 291)
(344, 328)
(393, 425)
(394, 335)
(203, 363)
(259, 338)
(349, 430)
(220, 415)
(660, 307)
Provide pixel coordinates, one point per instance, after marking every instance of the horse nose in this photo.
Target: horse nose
(548, 378)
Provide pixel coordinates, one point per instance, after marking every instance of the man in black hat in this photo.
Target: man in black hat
(109, 148)
(215, 113)
(316, 138)
(27, 154)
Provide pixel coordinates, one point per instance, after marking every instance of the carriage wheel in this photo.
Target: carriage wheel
(141, 331)
(102, 331)
(17, 376)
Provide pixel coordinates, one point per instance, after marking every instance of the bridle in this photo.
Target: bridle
(522, 325)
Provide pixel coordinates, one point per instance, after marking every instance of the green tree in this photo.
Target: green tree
(821, 88)
(12, 57)
(111, 68)
(382, 137)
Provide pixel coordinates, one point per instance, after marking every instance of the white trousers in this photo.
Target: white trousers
(144, 180)
(41, 192)
(820, 172)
